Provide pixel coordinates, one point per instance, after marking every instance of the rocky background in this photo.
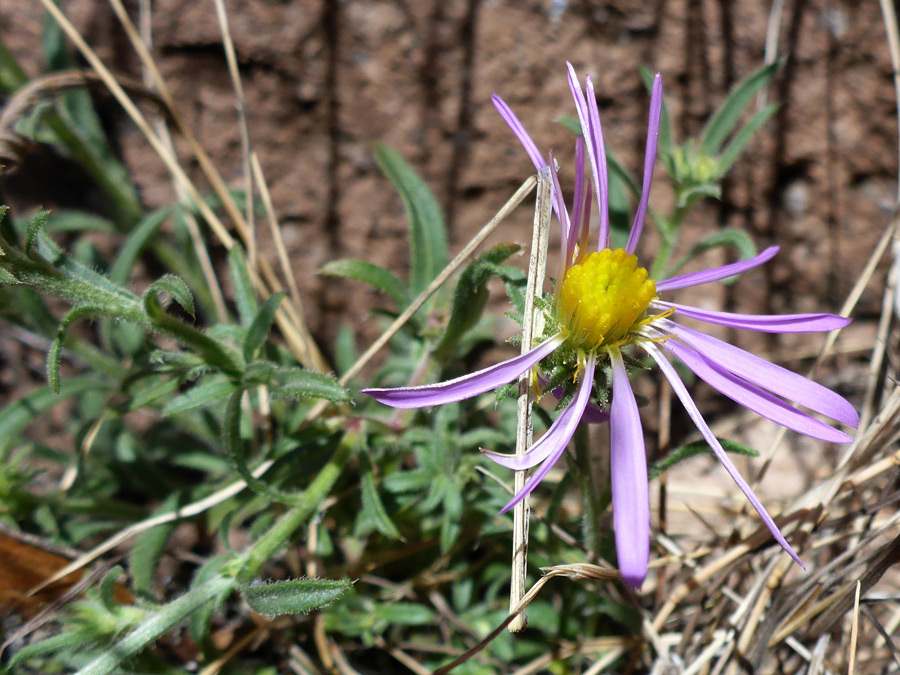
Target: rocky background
(323, 80)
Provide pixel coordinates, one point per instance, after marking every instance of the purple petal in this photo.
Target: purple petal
(563, 426)
(594, 415)
(628, 477)
(716, 273)
(753, 397)
(775, 379)
(764, 323)
(577, 200)
(689, 405)
(601, 178)
(513, 122)
(466, 386)
(562, 434)
(562, 212)
(596, 153)
(649, 162)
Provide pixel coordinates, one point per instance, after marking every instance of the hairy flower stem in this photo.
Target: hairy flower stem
(590, 494)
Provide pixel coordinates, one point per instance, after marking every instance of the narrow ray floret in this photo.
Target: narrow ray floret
(606, 306)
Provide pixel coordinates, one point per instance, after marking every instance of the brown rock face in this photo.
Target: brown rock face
(323, 80)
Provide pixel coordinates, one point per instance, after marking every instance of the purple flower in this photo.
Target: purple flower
(606, 305)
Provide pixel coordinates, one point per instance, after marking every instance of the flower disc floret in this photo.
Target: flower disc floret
(603, 297)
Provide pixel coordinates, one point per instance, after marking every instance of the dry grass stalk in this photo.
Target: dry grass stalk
(537, 267)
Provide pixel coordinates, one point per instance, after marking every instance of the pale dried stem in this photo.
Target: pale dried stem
(216, 666)
(854, 631)
(162, 129)
(889, 15)
(71, 472)
(243, 129)
(402, 657)
(773, 28)
(277, 239)
(874, 384)
(537, 267)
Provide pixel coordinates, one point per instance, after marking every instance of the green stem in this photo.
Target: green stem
(589, 493)
(298, 515)
(158, 623)
(668, 230)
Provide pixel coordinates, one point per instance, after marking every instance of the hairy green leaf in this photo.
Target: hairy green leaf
(295, 596)
(142, 234)
(149, 546)
(297, 383)
(159, 622)
(78, 221)
(234, 444)
(15, 416)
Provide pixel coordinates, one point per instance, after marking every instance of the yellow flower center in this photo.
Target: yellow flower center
(602, 298)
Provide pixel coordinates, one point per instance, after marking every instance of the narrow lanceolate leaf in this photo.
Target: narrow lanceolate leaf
(374, 515)
(726, 118)
(78, 221)
(369, 273)
(700, 447)
(570, 123)
(295, 596)
(427, 232)
(261, 326)
(137, 240)
(296, 383)
(693, 193)
(203, 394)
(740, 141)
(470, 296)
(244, 296)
